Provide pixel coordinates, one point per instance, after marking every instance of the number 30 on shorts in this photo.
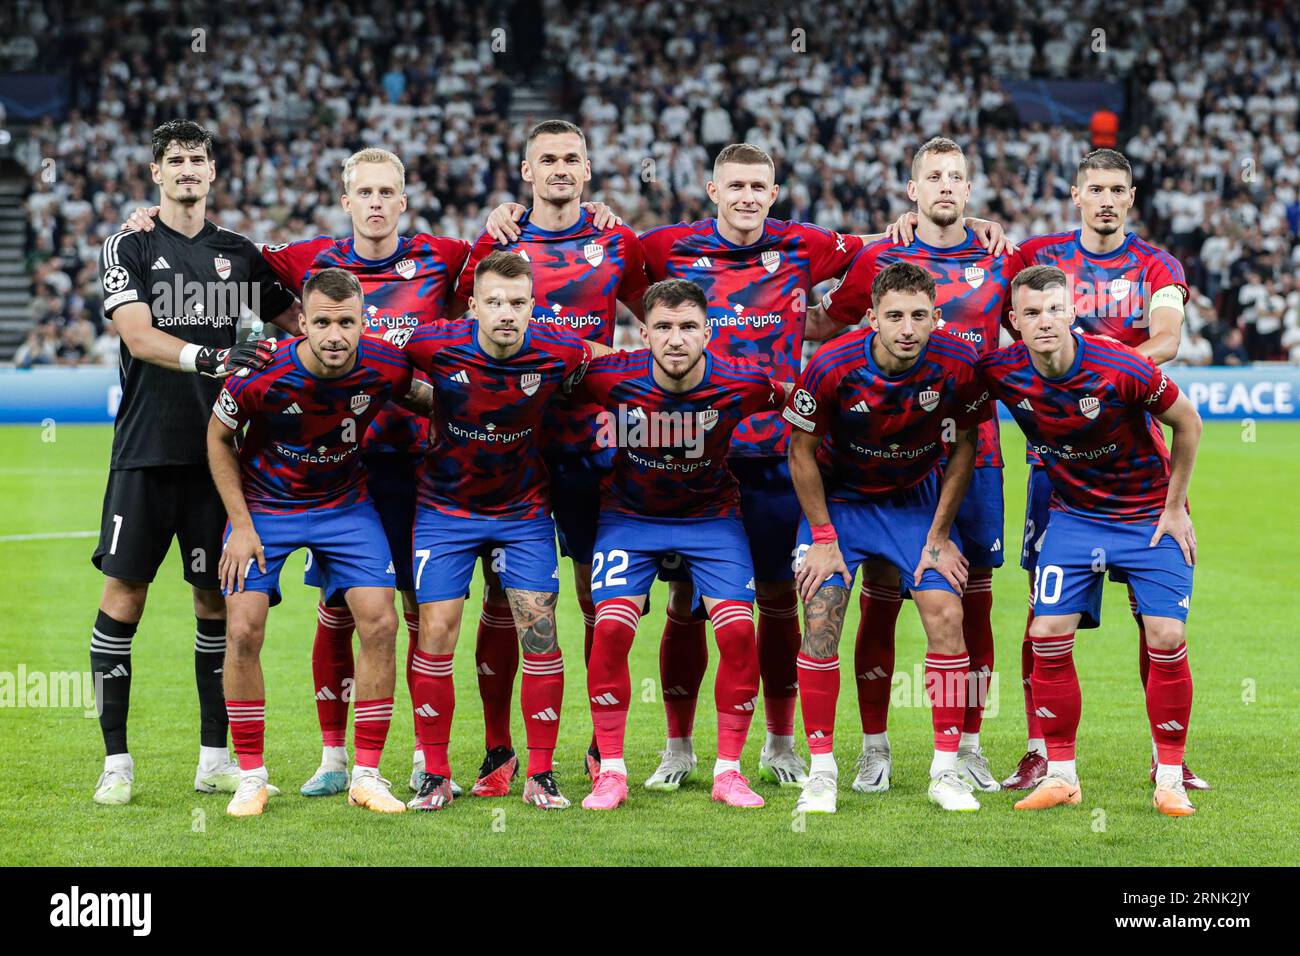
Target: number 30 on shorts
(1049, 577)
(613, 563)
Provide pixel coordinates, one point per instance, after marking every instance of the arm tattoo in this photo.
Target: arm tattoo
(534, 613)
(824, 621)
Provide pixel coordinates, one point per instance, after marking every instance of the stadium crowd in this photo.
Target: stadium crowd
(840, 93)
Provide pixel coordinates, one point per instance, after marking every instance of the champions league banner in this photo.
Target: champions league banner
(91, 395)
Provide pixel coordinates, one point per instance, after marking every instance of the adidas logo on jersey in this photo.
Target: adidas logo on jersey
(608, 700)
(1024, 403)
(118, 671)
(1170, 726)
(861, 407)
(461, 377)
(1186, 603)
(294, 409)
(703, 262)
(426, 710)
(997, 545)
(160, 263)
(391, 569)
(875, 673)
(326, 694)
(1044, 712)
(547, 714)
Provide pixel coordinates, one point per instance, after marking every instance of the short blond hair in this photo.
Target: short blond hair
(937, 145)
(372, 154)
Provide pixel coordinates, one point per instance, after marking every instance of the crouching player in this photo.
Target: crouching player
(484, 488)
(670, 412)
(297, 482)
(872, 413)
(1119, 503)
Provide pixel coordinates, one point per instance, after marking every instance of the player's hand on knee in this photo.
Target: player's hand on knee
(237, 360)
(601, 215)
(141, 218)
(1178, 525)
(243, 547)
(903, 228)
(940, 554)
(820, 563)
(502, 222)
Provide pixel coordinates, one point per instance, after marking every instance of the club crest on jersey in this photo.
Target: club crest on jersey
(770, 259)
(929, 399)
(975, 276)
(359, 403)
(223, 266)
(405, 268)
(707, 418)
(594, 253)
(1119, 288)
(1089, 406)
(529, 382)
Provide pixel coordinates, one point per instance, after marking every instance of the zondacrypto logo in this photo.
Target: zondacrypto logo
(218, 304)
(633, 427)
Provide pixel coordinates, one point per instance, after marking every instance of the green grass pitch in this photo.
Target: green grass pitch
(1243, 653)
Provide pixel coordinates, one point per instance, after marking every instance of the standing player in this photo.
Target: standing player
(1086, 404)
(972, 287)
(408, 281)
(671, 413)
(1134, 292)
(158, 485)
(483, 487)
(581, 272)
(873, 413)
(296, 481)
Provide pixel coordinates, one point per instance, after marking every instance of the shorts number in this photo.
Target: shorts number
(117, 529)
(1029, 531)
(617, 564)
(423, 555)
(1047, 583)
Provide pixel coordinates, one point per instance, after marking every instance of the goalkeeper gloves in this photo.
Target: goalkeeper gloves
(253, 355)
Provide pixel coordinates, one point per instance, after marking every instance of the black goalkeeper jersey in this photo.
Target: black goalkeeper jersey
(197, 290)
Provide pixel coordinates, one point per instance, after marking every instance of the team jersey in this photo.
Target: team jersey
(197, 289)
(580, 275)
(1092, 428)
(301, 451)
(885, 433)
(672, 452)
(414, 286)
(972, 290)
(758, 299)
(1110, 291)
(483, 458)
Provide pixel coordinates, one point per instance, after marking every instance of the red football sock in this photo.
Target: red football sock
(1034, 729)
(332, 672)
(370, 722)
(1144, 658)
(945, 685)
(873, 654)
(683, 659)
(1057, 699)
(735, 686)
(413, 633)
(778, 647)
(496, 656)
(609, 685)
(541, 695)
(433, 697)
(1169, 702)
(977, 632)
(819, 693)
(247, 731)
(588, 626)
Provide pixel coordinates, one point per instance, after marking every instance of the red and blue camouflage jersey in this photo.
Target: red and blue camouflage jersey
(579, 276)
(758, 299)
(1111, 291)
(671, 459)
(304, 432)
(1093, 427)
(414, 286)
(483, 459)
(972, 289)
(884, 433)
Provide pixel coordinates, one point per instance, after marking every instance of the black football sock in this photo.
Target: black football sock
(110, 662)
(209, 661)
